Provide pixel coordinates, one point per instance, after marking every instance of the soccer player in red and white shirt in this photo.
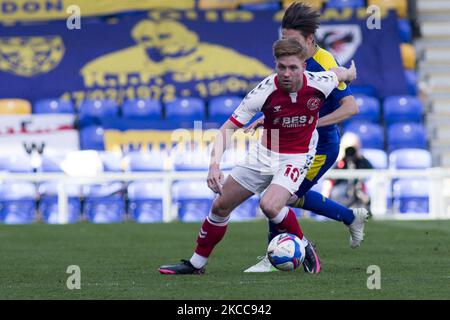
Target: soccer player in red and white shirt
(290, 101)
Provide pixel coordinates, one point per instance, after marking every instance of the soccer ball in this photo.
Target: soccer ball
(286, 252)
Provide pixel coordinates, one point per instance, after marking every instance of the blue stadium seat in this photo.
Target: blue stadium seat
(91, 138)
(17, 202)
(231, 158)
(402, 109)
(104, 203)
(142, 108)
(220, 109)
(191, 161)
(48, 204)
(364, 90)
(377, 158)
(111, 161)
(98, 108)
(369, 109)
(406, 135)
(53, 106)
(19, 163)
(247, 210)
(411, 196)
(411, 80)
(186, 109)
(341, 4)
(405, 31)
(145, 201)
(51, 163)
(145, 161)
(268, 5)
(92, 112)
(194, 199)
(410, 159)
(370, 134)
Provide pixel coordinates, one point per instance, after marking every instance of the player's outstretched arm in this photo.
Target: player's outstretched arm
(345, 74)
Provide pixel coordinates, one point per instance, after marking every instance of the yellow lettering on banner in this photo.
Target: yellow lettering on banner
(331, 14)
(237, 16)
(192, 15)
(38, 10)
(211, 16)
(164, 14)
(278, 17)
(181, 139)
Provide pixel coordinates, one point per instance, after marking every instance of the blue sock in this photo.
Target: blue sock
(317, 203)
(273, 231)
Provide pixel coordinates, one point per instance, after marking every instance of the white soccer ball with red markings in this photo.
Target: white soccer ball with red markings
(286, 252)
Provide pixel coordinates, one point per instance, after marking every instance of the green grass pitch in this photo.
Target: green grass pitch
(120, 261)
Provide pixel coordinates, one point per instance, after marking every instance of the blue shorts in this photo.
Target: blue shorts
(325, 158)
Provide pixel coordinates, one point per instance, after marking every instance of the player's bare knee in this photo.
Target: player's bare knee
(220, 208)
(268, 208)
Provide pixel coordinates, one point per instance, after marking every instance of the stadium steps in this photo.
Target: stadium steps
(433, 51)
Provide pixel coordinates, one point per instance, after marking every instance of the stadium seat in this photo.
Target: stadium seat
(191, 161)
(145, 201)
(91, 112)
(48, 204)
(406, 135)
(194, 199)
(98, 108)
(48, 191)
(220, 109)
(247, 210)
(410, 159)
(411, 80)
(15, 106)
(341, 4)
(20, 163)
(411, 195)
(231, 157)
(402, 109)
(111, 161)
(142, 108)
(408, 56)
(51, 163)
(139, 161)
(91, 138)
(377, 158)
(186, 109)
(369, 109)
(364, 90)
(370, 134)
(400, 6)
(405, 31)
(17, 202)
(104, 203)
(53, 106)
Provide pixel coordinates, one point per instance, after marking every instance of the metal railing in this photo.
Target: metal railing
(381, 179)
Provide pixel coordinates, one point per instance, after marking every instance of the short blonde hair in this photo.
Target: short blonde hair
(289, 47)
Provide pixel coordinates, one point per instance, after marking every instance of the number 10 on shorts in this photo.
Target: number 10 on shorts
(292, 172)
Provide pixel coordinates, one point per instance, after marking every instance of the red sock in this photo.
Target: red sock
(210, 234)
(290, 224)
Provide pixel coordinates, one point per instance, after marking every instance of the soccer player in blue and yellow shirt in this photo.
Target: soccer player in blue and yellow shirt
(300, 22)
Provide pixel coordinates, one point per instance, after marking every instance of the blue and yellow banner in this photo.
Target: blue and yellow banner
(168, 54)
(44, 10)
